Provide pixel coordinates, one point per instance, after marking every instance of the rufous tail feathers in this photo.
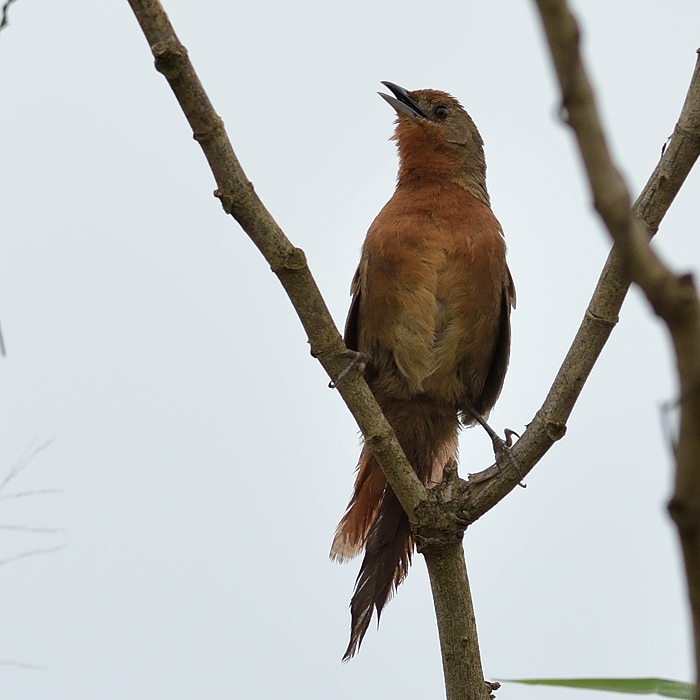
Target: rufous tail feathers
(375, 520)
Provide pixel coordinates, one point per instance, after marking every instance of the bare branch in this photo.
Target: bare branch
(454, 611)
(468, 501)
(239, 199)
(673, 297)
(549, 424)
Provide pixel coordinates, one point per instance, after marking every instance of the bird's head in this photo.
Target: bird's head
(436, 138)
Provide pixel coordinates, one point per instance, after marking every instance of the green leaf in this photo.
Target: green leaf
(640, 686)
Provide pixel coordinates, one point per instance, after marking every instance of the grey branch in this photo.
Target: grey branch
(26, 494)
(549, 424)
(673, 297)
(239, 199)
(456, 502)
(31, 553)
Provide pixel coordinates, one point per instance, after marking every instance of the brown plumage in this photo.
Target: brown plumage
(431, 311)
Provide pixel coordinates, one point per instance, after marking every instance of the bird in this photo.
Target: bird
(430, 315)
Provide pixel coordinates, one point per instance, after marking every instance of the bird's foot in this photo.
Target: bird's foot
(501, 447)
(358, 360)
(509, 436)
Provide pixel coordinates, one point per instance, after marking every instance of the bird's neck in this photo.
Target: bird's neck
(442, 163)
(417, 175)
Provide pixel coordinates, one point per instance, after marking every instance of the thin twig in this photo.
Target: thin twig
(29, 529)
(31, 553)
(25, 494)
(24, 460)
(4, 22)
(20, 664)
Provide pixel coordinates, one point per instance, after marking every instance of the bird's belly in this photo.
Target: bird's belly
(430, 312)
(445, 354)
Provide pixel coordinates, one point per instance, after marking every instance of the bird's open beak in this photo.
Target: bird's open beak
(403, 103)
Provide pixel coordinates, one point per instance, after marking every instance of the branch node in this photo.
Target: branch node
(611, 322)
(378, 441)
(210, 134)
(492, 687)
(555, 430)
(160, 49)
(427, 538)
(685, 133)
(441, 519)
(170, 57)
(226, 201)
(686, 516)
(295, 259)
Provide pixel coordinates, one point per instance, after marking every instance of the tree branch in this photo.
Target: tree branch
(455, 503)
(673, 297)
(454, 611)
(549, 424)
(444, 556)
(239, 199)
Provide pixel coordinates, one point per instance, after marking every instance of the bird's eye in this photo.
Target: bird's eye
(440, 112)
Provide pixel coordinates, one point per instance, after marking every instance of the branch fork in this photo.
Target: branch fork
(440, 515)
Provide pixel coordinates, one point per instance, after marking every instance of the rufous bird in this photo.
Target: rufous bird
(430, 312)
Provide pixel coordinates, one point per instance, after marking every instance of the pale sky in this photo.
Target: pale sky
(202, 461)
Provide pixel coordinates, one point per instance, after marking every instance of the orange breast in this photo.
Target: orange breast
(431, 284)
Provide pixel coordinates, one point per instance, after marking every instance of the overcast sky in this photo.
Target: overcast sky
(203, 463)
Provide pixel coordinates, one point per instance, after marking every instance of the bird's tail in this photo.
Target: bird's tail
(375, 520)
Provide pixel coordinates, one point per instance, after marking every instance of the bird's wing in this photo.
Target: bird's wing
(351, 324)
(501, 354)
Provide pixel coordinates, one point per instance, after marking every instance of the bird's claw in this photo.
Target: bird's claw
(358, 361)
(501, 447)
(509, 436)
